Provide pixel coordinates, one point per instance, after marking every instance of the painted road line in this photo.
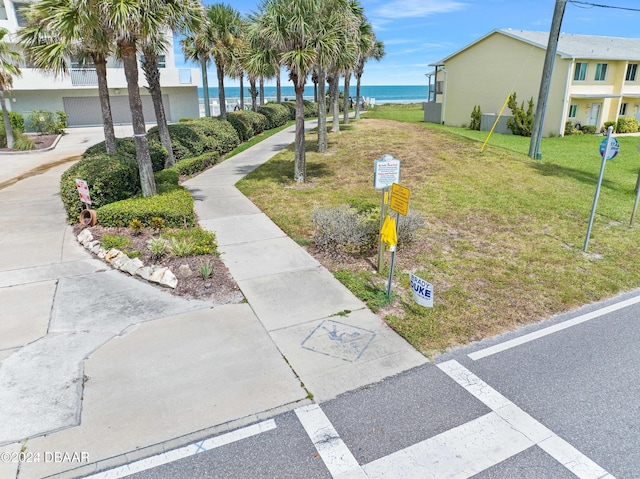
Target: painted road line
(563, 452)
(498, 348)
(333, 451)
(461, 452)
(190, 450)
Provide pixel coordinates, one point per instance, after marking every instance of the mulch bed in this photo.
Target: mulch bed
(42, 142)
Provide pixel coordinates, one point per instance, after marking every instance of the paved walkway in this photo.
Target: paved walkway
(99, 364)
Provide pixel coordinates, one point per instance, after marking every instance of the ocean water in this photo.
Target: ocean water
(382, 94)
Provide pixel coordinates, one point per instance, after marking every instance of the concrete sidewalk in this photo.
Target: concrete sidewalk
(112, 369)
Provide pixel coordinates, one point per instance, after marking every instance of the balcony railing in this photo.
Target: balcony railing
(84, 77)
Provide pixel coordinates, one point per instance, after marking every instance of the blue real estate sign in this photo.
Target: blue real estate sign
(422, 291)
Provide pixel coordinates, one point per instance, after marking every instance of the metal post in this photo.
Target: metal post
(595, 198)
(383, 215)
(545, 83)
(393, 260)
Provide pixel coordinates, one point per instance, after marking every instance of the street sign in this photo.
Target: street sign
(422, 291)
(399, 199)
(386, 171)
(613, 147)
(83, 191)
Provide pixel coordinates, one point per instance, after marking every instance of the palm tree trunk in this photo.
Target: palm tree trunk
(322, 110)
(205, 87)
(261, 90)
(221, 98)
(105, 105)
(300, 160)
(357, 107)
(7, 122)
(242, 91)
(253, 91)
(145, 167)
(152, 74)
(278, 85)
(335, 103)
(347, 81)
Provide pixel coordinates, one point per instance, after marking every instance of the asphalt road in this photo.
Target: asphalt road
(560, 399)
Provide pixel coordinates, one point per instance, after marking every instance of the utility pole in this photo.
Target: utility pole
(545, 83)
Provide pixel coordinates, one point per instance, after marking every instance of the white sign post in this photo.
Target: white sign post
(386, 171)
(83, 191)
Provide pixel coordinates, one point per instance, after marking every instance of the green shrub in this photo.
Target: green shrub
(258, 121)
(219, 135)
(607, 124)
(115, 241)
(588, 129)
(241, 124)
(110, 178)
(187, 140)
(277, 115)
(476, 116)
(170, 176)
(343, 230)
(174, 206)
(126, 147)
(191, 166)
(291, 106)
(22, 142)
(521, 123)
(570, 129)
(310, 109)
(202, 241)
(61, 122)
(46, 122)
(627, 124)
(17, 121)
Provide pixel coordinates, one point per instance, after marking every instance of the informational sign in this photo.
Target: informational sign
(399, 199)
(386, 171)
(83, 191)
(422, 291)
(613, 149)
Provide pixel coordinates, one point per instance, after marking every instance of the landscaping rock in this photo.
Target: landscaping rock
(112, 254)
(133, 265)
(119, 261)
(85, 236)
(168, 279)
(145, 272)
(184, 271)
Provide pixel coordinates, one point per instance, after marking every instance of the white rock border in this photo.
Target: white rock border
(134, 266)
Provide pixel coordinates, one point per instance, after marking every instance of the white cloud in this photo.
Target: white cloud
(417, 8)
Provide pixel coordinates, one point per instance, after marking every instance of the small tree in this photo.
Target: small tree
(522, 121)
(476, 116)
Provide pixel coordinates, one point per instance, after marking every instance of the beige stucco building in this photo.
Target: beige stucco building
(595, 79)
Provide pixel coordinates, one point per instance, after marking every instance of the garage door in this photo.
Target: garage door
(85, 110)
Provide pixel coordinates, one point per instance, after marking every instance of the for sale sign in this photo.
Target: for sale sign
(83, 191)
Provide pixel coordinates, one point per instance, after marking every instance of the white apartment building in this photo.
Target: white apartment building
(77, 92)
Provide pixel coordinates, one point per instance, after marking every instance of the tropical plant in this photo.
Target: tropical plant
(476, 116)
(195, 49)
(521, 123)
(60, 30)
(9, 60)
(375, 52)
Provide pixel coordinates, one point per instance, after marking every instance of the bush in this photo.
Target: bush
(126, 148)
(22, 142)
(202, 241)
(476, 116)
(291, 105)
(607, 124)
(588, 129)
(408, 226)
(277, 115)
(46, 122)
(627, 124)
(343, 230)
(219, 135)
(174, 206)
(17, 121)
(110, 178)
(191, 166)
(310, 109)
(522, 121)
(570, 129)
(247, 123)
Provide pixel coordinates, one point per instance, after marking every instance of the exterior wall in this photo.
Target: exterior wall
(487, 72)
(184, 103)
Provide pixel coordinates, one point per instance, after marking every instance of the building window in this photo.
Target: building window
(601, 72)
(21, 15)
(573, 111)
(623, 109)
(632, 69)
(581, 72)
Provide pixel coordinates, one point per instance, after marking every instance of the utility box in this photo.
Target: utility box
(488, 119)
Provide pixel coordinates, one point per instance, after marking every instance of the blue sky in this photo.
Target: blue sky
(419, 32)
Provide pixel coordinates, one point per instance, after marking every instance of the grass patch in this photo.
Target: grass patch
(257, 139)
(503, 239)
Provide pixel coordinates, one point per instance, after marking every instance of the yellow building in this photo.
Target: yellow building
(595, 79)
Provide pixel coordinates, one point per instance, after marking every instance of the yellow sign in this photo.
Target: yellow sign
(388, 233)
(399, 199)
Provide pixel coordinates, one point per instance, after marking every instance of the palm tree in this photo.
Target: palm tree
(375, 52)
(9, 60)
(151, 48)
(133, 21)
(223, 33)
(58, 30)
(195, 48)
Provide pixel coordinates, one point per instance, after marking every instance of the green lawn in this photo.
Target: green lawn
(503, 238)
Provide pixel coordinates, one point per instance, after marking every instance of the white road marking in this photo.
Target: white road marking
(190, 450)
(563, 452)
(498, 348)
(460, 452)
(333, 451)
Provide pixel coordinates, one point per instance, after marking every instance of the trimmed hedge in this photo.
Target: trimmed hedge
(197, 136)
(291, 105)
(110, 178)
(247, 123)
(277, 115)
(126, 147)
(310, 108)
(186, 140)
(627, 124)
(219, 135)
(174, 206)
